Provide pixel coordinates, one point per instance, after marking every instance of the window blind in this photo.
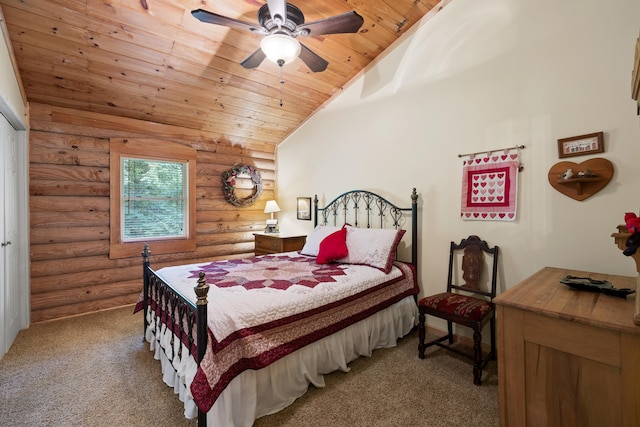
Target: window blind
(155, 199)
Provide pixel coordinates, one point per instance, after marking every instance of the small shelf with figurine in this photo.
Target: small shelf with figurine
(581, 180)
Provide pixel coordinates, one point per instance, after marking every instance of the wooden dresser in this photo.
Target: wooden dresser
(276, 243)
(567, 357)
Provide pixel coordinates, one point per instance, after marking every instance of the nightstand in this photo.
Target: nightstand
(277, 243)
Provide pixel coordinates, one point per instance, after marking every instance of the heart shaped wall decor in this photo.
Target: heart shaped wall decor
(579, 185)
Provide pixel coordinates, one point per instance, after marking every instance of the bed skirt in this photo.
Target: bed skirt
(254, 394)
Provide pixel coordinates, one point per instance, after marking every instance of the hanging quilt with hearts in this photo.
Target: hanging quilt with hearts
(490, 187)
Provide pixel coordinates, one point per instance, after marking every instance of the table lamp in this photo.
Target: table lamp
(272, 224)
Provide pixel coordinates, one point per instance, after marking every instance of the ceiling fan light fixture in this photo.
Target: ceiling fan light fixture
(280, 48)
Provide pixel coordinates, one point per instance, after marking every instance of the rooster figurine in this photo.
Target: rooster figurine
(632, 221)
(633, 226)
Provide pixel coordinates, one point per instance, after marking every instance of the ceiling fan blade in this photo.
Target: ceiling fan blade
(278, 11)
(254, 59)
(313, 61)
(349, 22)
(214, 18)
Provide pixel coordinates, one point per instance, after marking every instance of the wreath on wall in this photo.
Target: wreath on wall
(229, 185)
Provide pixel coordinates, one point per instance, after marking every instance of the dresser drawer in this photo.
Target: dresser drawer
(276, 243)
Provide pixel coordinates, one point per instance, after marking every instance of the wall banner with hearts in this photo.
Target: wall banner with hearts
(490, 187)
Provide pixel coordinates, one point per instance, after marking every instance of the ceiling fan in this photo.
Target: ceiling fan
(281, 23)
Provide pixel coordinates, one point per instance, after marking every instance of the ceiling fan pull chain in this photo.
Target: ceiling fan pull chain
(281, 63)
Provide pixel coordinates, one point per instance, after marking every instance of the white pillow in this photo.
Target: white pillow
(372, 246)
(312, 245)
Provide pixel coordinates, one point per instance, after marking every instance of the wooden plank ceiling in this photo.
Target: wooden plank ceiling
(152, 60)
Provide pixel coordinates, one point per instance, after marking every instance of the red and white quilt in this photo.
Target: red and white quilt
(263, 308)
(490, 187)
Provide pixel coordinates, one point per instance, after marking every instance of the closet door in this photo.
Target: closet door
(4, 342)
(9, 254)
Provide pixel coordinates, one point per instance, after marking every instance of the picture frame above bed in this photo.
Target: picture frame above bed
(303, 208)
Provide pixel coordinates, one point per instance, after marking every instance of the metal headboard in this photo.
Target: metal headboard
(362, 208)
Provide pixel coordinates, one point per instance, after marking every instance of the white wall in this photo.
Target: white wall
(481, 76)
(12, 105)
(14, 108)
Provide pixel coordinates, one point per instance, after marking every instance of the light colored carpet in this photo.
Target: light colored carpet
(95, 370)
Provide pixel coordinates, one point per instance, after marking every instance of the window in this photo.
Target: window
(152, 196)
(154, 199)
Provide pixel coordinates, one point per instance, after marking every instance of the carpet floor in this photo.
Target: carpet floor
(95, 370)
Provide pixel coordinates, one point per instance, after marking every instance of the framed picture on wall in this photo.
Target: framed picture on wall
(304, 208)
(580, 145)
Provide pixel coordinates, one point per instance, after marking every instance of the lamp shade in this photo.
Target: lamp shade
(271, 207)
(280, 47)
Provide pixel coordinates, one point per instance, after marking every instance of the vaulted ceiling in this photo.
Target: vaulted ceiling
(152, 60)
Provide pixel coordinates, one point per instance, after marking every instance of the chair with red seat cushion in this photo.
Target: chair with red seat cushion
(464, 304)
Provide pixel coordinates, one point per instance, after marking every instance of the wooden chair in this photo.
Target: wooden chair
(466, 304)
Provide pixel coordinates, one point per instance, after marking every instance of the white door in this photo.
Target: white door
(4, 342)
(9, 254)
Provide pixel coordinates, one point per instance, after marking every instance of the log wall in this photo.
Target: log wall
(71, 272)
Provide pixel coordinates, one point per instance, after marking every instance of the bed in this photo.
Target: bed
(243, 338)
